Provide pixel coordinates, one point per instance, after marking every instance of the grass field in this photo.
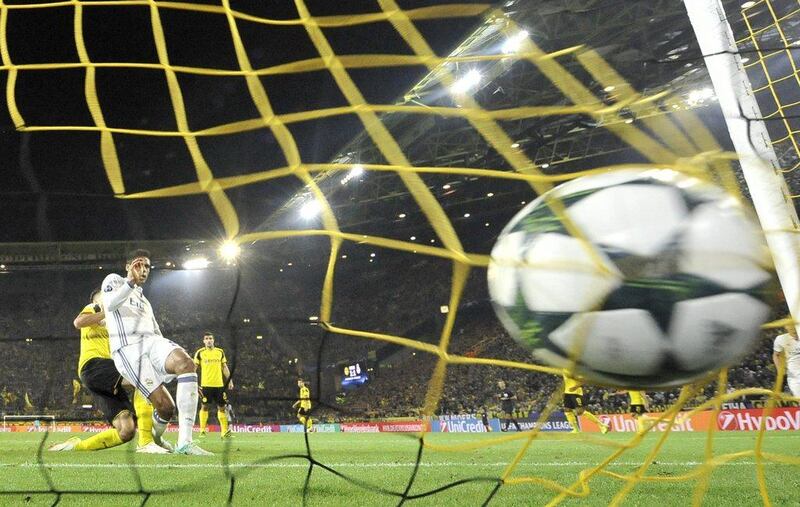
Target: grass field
(387, 461)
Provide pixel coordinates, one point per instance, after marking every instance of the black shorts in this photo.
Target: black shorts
(102, 379)
(215, 395)
(573, 401)
(302, 412)
(638, 409)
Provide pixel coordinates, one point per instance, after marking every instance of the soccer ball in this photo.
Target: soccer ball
(654, 279)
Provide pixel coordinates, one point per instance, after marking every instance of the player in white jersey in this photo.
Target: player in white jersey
(144, 357)
(787, 348)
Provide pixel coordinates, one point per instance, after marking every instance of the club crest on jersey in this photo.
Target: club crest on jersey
(148, 382)
(108, 288)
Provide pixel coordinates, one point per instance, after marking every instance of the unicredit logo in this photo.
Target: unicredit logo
(727, 421)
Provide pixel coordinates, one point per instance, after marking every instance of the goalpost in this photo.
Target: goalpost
(771, 197)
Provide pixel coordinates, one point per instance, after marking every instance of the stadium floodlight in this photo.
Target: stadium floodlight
(230, 250)
(513, 43)
(356, 172)
(196, 263)
(699, 96)
(469, 81)
(309, 210)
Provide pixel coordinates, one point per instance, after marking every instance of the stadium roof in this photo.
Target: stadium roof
(56, 188)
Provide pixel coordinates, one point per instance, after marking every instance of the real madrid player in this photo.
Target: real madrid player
(215, 378)
(144, 357)
(573, 405)
(303, 405)
(99, 375)
(786, 353)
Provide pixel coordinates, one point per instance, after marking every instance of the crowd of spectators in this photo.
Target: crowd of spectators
(271, 336)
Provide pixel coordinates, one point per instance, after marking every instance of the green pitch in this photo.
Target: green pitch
(385, 461)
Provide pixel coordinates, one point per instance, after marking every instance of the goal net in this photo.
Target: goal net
(365, 157)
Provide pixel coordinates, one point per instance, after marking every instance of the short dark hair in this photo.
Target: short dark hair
(96, 290)
(208, 333)
(135, 254)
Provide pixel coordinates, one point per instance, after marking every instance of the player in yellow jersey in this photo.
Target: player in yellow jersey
(304, 404)
(573, 405)
(99, 375)
(638, 408)
(215, 379)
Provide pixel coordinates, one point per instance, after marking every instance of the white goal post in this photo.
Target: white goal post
(771, 197)
(49, 419)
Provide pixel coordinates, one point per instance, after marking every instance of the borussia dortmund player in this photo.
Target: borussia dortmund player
(573, 405)
(214, 378)
(304, 404)
(99, 375)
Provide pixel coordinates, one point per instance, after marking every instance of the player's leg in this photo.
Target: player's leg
(171, 359)
(221, 401)
(794, 386)
(203, 413)
(101, 378)
(582, 411)
(569, 412)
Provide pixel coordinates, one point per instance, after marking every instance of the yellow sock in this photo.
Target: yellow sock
(144, 418)
(592, 417)
(203, 419)
(223, 421)
(308, 424)
(573, 420)
(103, 440)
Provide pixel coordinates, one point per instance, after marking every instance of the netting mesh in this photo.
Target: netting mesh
(668, 134)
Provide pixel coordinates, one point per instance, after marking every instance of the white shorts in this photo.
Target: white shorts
(794, 386)
(142, 364)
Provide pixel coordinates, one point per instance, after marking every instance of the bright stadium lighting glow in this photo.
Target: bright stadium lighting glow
(545, 165)
(446, 186)
(259, 337)
(230, 250)
(313, 317)
(401, 215)
(372, 254)
(470, 80)
(747, 5)
(514, 42)
(515, 145)
(309, 210)
(467, 215)
(609, 88)
(700, 96)
(413, 238)
(355, 172)
(196, 263)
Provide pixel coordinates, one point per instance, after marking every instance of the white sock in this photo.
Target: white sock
(159, 426)
(186, 399)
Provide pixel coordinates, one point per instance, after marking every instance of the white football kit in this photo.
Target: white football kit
(791, 348)
(137, 346)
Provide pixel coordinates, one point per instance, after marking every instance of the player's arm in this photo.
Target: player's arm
(777, 358)
(226, 373)
(85, 319)
(116, 291)
(777, 354)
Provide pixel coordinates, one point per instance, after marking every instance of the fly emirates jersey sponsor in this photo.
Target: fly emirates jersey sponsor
(129, 316)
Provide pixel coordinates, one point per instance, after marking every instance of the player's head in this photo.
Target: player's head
(95, 297)
(501, 384)
(139, 255)
(208, 340)
(791, 329)
(300, 382)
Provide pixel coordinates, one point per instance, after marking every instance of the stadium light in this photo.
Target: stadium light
(700, 96)
(513, 43)
(230, 250)
(747, 5)
(470, 80)
(356, 172)
(515, 145)
(309, 210)
(196, 263)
